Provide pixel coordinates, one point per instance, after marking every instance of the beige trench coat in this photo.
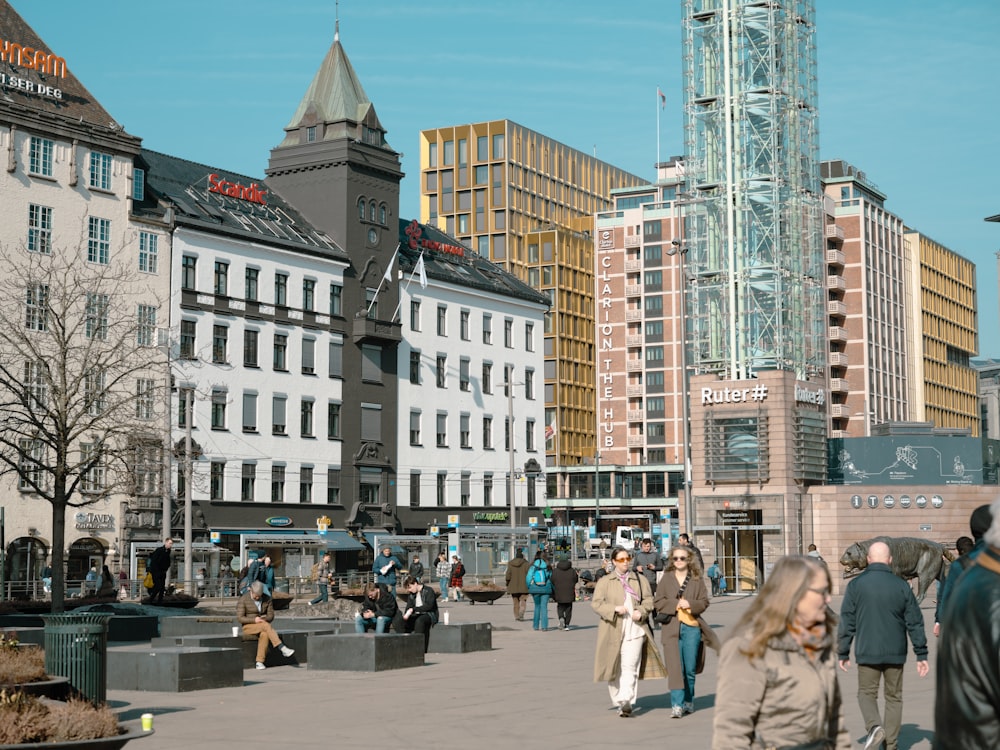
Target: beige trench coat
(608, 594)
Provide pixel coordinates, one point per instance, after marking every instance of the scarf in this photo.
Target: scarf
(813, 640)
(629, 591)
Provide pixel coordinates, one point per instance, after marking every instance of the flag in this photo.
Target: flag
(550, 431)
(663, 98)
(420, 271)
(388, 271)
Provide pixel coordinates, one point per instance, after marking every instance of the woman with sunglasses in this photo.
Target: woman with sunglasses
(777, 683)
(626, 651)
(680, 599)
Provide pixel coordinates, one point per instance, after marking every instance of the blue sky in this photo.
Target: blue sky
(906, 87)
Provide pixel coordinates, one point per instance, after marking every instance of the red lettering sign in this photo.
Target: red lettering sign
(415, 239)
(251, 192)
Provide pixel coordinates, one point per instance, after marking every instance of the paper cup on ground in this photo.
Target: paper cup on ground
(147, 722)
(236, 631)
(446, 617)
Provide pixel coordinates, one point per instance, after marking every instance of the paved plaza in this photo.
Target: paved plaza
(533, 690)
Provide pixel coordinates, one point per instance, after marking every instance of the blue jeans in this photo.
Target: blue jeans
(324, 594)
(443, 583)
(361, 624)
(541, 619)
(690, 638)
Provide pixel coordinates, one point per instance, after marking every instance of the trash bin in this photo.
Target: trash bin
(76, 646)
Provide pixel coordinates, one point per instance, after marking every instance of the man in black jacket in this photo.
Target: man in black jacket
(378, 609)
(879, 611)
(159, 564)
(967, 701)
(421, 609)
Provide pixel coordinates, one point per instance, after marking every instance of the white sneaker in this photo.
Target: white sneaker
(875, 737)
(260, 665)
(286, 652)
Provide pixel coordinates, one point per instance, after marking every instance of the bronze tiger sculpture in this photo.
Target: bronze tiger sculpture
(922, 559)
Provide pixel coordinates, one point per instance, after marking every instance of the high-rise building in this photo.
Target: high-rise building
(754, 271)
(526, 202)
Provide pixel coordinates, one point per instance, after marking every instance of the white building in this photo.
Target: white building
(471, 325)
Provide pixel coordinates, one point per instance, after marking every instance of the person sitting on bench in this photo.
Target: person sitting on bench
(421, 609)
(255, 613)
(378, 609)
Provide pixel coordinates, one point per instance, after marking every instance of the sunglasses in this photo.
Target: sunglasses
(681, 557)
(623, 559)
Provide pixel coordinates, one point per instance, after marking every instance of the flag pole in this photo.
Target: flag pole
(658, 99)
(385, 277)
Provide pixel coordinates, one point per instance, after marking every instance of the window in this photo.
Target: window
(465, 488)
(361, 207)
(221, 278)
(448, 149)
(39, 229)
(251, 278)
(487, 377)
(220, 400)
(280, 352)
(278, 415)
(40, 156)
(94, 392)
(337, 358)
(487, 489)
(305, 484)
(250, 341)
(188, 328)
(529, 337)
(336, 299)
(36, 316)
(442, 488)
(183, 395)
(442, 431)
(415, 315)
(333, 486)
(247, 479)
(432, 154)
(281, 289)
(309, 294)
(98, 240)
(464, 430)
(138, 184)
(442, 320)
(371, 422)
(529, 434)
(415, 367)
(442, 366)
(498, 149)
(508, 379)
(220, 344)
(306, 418)
(146, 467)
(371, 211)
(96, 325)
(371, 363)
(488, 433)
(382, 214)
(333, 421)
(464, 324)
(487, 328)
(145, 390)
(148, 252)
(311, 134)
(508, 423)
(508, 333)
(249, 412)
(100, 170)
(414, 489)
(93, 477)
(37, 387)
(277, 484)
(463, 374)
(308, 356)
(216, 482)
(415, 427)
(529, 384)
(371, 303)
(189, 267)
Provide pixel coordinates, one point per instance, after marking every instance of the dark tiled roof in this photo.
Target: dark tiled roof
(448, 260)
(262, 215)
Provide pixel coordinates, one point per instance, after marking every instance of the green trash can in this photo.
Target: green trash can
(76, 646)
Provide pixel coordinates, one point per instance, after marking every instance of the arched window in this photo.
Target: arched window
(361, 207)
(372, 211)
(382, 215)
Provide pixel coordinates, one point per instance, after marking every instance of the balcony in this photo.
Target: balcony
(633, 265)
(839, 411)
(636, 441)
(633, 315)
(633, 365)
(839, 434)
(836, 307)
(634, 390)
(839, 385)
(635, 415)
(633, 340)
(838, 359)
(836, 257)
(836, 283)
(632, 240)
(834, 232)
(370, 329)
(838, 333)
(633, 290)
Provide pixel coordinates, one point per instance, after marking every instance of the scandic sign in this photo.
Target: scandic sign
(251, 192)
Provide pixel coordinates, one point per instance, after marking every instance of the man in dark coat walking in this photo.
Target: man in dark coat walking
(564, 580)
(159, 564)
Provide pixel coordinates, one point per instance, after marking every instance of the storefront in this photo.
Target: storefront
(24, 562)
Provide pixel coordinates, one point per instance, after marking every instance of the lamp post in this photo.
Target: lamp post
(510, 457)
(678, 248)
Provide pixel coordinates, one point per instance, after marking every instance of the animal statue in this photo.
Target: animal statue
(911, 558)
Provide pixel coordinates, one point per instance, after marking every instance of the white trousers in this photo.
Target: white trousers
(625, 687)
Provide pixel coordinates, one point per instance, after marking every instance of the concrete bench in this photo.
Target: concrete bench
(194, 625)
(365, 652)
(294, 639)
(173, 669)
(461, 638)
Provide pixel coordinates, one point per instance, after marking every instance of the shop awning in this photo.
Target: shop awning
(341, 541)
(337, 541)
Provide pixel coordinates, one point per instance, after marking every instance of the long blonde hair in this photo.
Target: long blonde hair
(774, 607)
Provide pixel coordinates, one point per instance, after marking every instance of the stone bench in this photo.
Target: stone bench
(365, 652)
(294, 639)
(195, 625)
(461, 638)
(173, 669)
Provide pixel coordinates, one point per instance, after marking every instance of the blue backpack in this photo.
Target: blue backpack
(539, 579)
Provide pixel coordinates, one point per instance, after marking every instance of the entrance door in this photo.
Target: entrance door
(741, 557)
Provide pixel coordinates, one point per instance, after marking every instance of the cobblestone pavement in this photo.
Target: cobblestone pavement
(533, 690)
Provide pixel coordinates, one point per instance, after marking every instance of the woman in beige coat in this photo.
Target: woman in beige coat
(626, 651)
(777, 683)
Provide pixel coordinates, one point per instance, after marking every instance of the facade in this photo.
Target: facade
(66, 194)
(526, 202)
(469, 328)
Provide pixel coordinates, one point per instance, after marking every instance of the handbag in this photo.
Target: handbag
(664, 617)
(147, 582)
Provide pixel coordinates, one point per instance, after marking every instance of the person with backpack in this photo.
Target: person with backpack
(564, 580)
(539, 580)
(320, 575)
(714, 573)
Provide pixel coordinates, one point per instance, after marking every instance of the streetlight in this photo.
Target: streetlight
(678, 248)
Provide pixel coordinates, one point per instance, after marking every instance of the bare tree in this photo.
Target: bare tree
(79, 370)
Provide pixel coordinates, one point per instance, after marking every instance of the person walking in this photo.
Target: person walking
(323, 573)
(878, 612)
(648, 563)
(386, 565)
(539, 580)
(457, 576)
(679, 602)
(517, 583)
(159, 564)
(564, 580)
(442, 569)
(979, 523)
(967, 699)
(714, 573)
(777, 684)
(626, 651)
(417, 568)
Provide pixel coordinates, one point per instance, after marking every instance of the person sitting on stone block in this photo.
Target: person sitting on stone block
(255, 613)
(421, 609)
(378, 609)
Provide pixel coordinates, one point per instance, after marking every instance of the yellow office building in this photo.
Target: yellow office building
(527, 202)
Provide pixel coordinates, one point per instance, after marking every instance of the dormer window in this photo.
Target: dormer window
(311, 134)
